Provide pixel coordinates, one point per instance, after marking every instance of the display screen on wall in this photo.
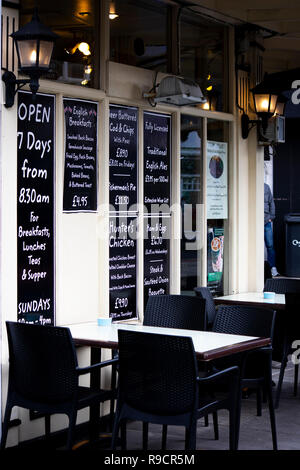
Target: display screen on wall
(156, 256)
(35, 208)
(216, 180)
(122, 267)
(123, 152)
(157, 160)
(80, 175)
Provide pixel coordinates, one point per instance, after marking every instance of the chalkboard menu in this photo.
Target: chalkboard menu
(35, 208)
(123, 148)
(156, 256)
(80, 177)
(157, 160)
(122, 267)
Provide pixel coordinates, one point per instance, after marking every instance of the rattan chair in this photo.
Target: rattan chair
(290, 333)
(159, 383)
(282, 326)
(176, 311)
(256, 366)
(44, 375)
(205, 293)
(282, 285)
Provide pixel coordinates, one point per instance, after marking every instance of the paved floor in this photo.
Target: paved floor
(255, 431)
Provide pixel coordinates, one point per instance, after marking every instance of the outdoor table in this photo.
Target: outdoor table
(208, 345)
(252, 298)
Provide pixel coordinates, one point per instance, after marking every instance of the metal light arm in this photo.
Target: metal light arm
(13, 85)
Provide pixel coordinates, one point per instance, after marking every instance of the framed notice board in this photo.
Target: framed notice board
(36, 208)
(80, 175)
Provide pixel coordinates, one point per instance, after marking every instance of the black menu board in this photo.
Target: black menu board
(35, 208)
(157, 160)
(123, 152)
(156, 256)
(80, 176)
(122, 267)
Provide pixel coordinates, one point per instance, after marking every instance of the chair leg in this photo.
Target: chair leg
(280, 379)
(296, 379)
(216, 425)
(145, 435)
(164, 437)
(123, 434)
(206, 423)
(258, 402)
(191, 436)
(5, 425)
(270, 401)
(72, 424)
(115, 431)
(47, 426)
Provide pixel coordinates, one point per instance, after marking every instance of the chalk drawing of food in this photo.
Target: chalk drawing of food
(216, 166)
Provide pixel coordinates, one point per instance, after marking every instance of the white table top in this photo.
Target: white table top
(251, 297)
(208, 345)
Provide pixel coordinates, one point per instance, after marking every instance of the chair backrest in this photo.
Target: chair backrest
(245, 320)
(292, 315)
(42, 362)
(175, 311)
(282, 285)
(157, 373)
(205, 293)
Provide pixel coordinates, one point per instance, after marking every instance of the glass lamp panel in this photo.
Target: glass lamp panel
(28, 52)
(46, 48)
(262, 102)
(273, 102)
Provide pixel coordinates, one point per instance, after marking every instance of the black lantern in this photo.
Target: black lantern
(265, 101)
(34, 44)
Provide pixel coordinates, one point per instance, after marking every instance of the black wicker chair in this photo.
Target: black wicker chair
(175, 311)
(282, 285)
(205, 293)
(159, 383)
(44, 375)
(256, 366)
(290, 333)
(282, 326)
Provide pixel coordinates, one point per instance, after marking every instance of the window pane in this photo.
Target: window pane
(138, 34)
(202, 55)
(217, 234)
(191, 201)
(75, 22)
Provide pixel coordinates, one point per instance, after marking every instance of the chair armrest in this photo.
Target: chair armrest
(99, 365)
(219, 375)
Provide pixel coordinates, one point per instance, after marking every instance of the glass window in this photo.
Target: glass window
(76, 23)
(217, 235)
(202, 48)
(138, 35)
(191, 201)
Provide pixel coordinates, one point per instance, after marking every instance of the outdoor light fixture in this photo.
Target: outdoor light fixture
(112, 11)
(265, 101)
(34, 44)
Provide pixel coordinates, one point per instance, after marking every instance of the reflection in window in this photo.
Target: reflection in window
(202, 56)
(138, 34)
(75, 22)
(191, 199)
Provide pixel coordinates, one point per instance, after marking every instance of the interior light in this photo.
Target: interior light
(209, 88)
(84, 48)
(112, 11)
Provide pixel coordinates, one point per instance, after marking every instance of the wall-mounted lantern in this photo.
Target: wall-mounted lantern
(265, 101)
(34, 44)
